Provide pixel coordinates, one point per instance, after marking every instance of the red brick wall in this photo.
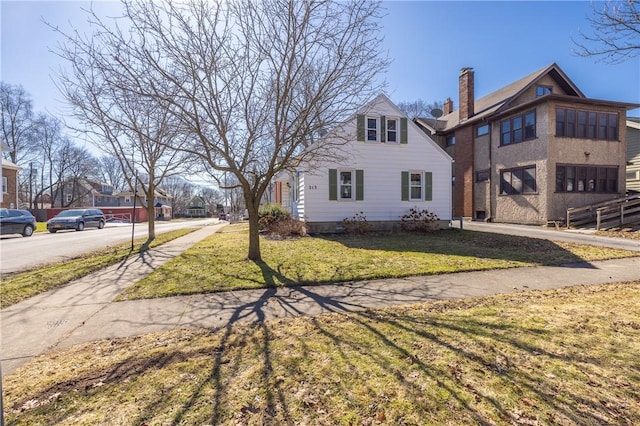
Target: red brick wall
(463, 192)
(8, 199)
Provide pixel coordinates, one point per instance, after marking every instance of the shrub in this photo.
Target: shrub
(356, 225)
(273, 219)
(420, 221)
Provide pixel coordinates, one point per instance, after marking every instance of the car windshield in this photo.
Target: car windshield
(70, 213)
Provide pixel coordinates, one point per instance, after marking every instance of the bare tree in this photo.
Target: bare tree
(181, 192)
(111, 172)
(615, 35)
(251, 83)
(140, 132)
(420, 108)
(18, 122)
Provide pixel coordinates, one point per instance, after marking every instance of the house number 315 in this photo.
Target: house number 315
(313, 186)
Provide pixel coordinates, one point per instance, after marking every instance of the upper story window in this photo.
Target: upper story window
(482, 130)
(5, 185)
(451, 140)
(392, 130)
(518, 129)
(583, 124)
(372, 129)
(543, 90)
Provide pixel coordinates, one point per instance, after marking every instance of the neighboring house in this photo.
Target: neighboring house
(530, 150)
(633, 154)
(9, 196)
(161, 201)
(388, 167)
(83, 192)
(197, 207)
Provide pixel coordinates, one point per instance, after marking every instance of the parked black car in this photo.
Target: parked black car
(13, 221)
(77, 219)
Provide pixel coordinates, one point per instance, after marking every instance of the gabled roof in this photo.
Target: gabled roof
(501, 99)
(6, 164)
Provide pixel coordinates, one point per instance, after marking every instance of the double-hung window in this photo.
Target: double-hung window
(392, 130)
(345, 185)
(372, 129)
(5, 185)
(415, 182)
(584, 124)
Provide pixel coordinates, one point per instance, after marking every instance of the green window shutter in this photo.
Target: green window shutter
(360, 127)
(403, 130)
(404, 186)
(428, 186)
(359, 185)
(333, 184)
(383, 129)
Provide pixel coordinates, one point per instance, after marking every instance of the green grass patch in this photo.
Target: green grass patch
(219, 263)
(21, 286)
(567, 357)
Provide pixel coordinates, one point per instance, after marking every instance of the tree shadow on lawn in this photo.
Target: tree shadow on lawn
(414, 364)
(481, 245)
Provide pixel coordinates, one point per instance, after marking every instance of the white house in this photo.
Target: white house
(388, 165)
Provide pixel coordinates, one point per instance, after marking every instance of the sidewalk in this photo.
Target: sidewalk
(84, 310)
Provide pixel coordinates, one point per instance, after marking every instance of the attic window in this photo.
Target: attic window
(543, 90)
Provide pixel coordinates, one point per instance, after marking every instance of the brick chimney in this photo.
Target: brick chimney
(466, 93)
(448, 106)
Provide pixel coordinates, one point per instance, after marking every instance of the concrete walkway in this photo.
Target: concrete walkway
(84, 310)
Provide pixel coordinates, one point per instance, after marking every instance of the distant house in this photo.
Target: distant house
(9, 196)
(197, 207)
(633, 154)
(388, 167)
(530, 150)
(161, 201)
(83, 192)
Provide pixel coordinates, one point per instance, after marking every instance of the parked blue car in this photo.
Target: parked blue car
(77, 219)
(13, 221)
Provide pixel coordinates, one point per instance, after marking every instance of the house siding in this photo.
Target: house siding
(382, 164)
(633, 157)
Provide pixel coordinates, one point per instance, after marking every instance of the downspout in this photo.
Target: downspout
(491, 189)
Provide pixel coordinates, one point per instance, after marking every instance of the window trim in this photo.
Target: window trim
(543, 90)
(367, 129)
(592, 125)
(351, 185)
(396, 131)
(511, 130)
(412, 186)
(512, 171)
(5, 185)
(480, 128)
(585, 173)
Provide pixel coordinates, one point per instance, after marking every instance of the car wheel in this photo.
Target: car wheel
(100, 225)
(53, 231)
(80, 226)
(27, 231)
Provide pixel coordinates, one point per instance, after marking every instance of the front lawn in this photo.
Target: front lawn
(219, 262)
(563, 357)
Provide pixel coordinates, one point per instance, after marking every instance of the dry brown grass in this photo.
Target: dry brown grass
(563, 357)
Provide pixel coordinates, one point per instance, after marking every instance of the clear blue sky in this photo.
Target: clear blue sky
(428, 42)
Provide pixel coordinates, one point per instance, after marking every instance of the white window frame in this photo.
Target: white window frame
(412, 186)
(68, 198)
(396, 131)
(127, 198)
(5, 185)
(352, 184)
(367, 129)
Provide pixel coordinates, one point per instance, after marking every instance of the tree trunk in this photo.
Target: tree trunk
(254, 236)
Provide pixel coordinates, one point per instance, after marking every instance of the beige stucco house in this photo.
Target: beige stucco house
(530, 150)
